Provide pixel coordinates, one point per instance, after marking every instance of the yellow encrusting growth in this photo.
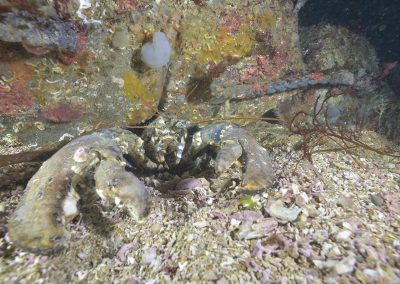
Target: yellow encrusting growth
(225, 44)
(265, 20)
(144, 102)
(207, 40)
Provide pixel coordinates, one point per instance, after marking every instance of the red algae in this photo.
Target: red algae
(126, 5)
(15, 101)
(270, 65)
(232, 23)
(61, 112)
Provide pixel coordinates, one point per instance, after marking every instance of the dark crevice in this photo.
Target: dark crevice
(378, 20)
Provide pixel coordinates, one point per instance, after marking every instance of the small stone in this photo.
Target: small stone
(325, 264)
(377, 199)
(2, 207)
(302, 199)
(247, 216)
(210, 276)
(190, 237)
(277, 210)
(326, 247)
(223, 280)
(258, 230)
(82, 255)
(345, 266)
(334, 252)
(350, 176)
(130, 260)
(303, 219)
(345, 202)
(156, 227)
(361, 276)
(81, 275)
(150, 257)
(312, 211)
(343, 235)
(340, 166)
(371, 274)
(347, 225)
(200, 224)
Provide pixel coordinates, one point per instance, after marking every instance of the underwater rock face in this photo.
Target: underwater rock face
(157, 53)
(340, 49)
(39, 32)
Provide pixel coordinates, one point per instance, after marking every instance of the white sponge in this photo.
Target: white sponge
(157, 53)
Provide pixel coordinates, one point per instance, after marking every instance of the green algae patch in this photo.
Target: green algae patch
(248, 202)
(143, 102)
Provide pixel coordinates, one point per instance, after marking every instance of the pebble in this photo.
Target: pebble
(150, 256)
(223, 280)
(312, 211)
(391, 166)
(258, 230)
(340, 166)
(210, 276)
(377, 199)
(372, 274)
(350, 176)
(200, 224)
(277, 210)
(156, 227)
(130, 260)
(343, 235)
(345, 266)
(302, 199)
(81, 275)
(345, 202)
(82, 255)
(326, 247)
(334, 252)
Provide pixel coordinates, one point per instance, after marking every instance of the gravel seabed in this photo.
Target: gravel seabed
(346, 230)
